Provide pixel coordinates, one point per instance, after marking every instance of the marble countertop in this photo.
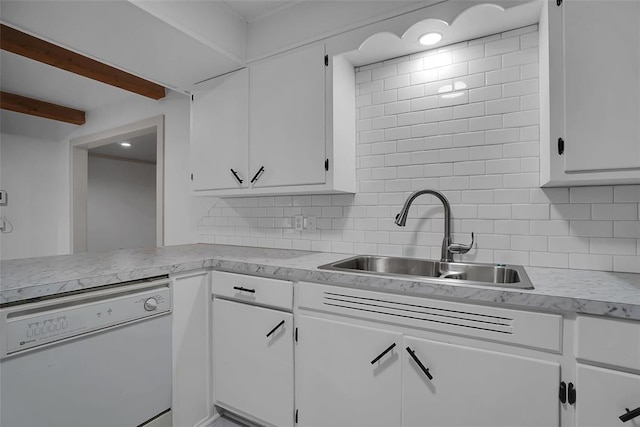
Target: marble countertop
(580, 291)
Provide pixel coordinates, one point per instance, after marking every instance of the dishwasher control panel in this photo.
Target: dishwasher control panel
(33, 325)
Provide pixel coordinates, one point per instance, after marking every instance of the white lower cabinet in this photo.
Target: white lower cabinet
(192, 401)
(415, 382)
(253, 361)
(336, 383)
(605, 395)
(473, 387)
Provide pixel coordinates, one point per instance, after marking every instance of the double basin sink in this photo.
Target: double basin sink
(510, 276)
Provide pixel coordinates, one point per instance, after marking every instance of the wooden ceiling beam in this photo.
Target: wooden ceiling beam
(35, 107)
(15, 41)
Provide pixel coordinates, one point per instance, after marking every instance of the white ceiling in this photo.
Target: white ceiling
(252, 10)
(142, 148)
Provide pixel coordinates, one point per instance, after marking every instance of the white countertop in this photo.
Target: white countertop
(580, 291)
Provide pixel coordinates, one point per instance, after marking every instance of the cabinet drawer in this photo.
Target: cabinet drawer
(528, 329)
(252, 289)
(609, 341)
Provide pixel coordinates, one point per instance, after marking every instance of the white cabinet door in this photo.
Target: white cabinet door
(602, 85)
(594, 93)
(472, 387)
(192, 400)
(287, 126)
(220, 133)
(336, 383)
(253, 361)
(604, 395)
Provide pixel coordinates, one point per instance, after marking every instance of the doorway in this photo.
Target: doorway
(117, 188)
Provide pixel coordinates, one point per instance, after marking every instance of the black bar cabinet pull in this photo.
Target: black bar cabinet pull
(571, 394)
(275, 329)
(257, 175)
(383, 353)
(630, 415)
(415, 359)
(236, 176)
(240, 288)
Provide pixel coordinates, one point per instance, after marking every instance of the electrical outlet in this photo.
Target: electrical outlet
(298, 222)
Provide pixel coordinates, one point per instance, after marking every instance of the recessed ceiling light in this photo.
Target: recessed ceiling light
(430, 38)
(125, 144)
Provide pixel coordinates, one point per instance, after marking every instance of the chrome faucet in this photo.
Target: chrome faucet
(448, 248)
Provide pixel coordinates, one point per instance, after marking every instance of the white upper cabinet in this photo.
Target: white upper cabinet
(287, 110)
(220, 133)
(590, 86)
(285, 125)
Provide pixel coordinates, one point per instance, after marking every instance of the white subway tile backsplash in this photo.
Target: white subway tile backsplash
(410, 66)
(500, 106)
(464, 123)
(424, 76)
(468, 53)
(592, 228)
(521, 57)
(469, 110)
(384, 97)
(568, 244)
(626, 193)
(501, 46)
(485, 123)
(617, 211)
(591, 262)
(549, 259)
(410, 92)
(591, 194)
(504, 75)
(485, 93)
(424, 103)
(523, 87)
(522, 118)
(396, 82)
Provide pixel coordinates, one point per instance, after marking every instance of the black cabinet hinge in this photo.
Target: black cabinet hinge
(560, 146)
(558, 2)
(326, 164)
(295, 335)
(192, 98)
(191, 177)
(326, 60)
(563, 392)
(296, 416)
(571, 394)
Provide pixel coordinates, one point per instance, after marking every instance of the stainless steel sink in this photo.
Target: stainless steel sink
(511, 276)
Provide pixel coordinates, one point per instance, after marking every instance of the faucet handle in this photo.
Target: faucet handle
(459, 248)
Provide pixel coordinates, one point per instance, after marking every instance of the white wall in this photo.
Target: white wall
(121, 205)
(481, 148)
(34, 173)
(179, 226)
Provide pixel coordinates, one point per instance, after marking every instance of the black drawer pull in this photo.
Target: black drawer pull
(240, 288)
(415, 358)
(383, 353)
(236, 176)
(630, 415)
(275, 329)
(257, 175)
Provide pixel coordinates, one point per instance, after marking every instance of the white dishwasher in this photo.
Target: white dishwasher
(96, 359)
